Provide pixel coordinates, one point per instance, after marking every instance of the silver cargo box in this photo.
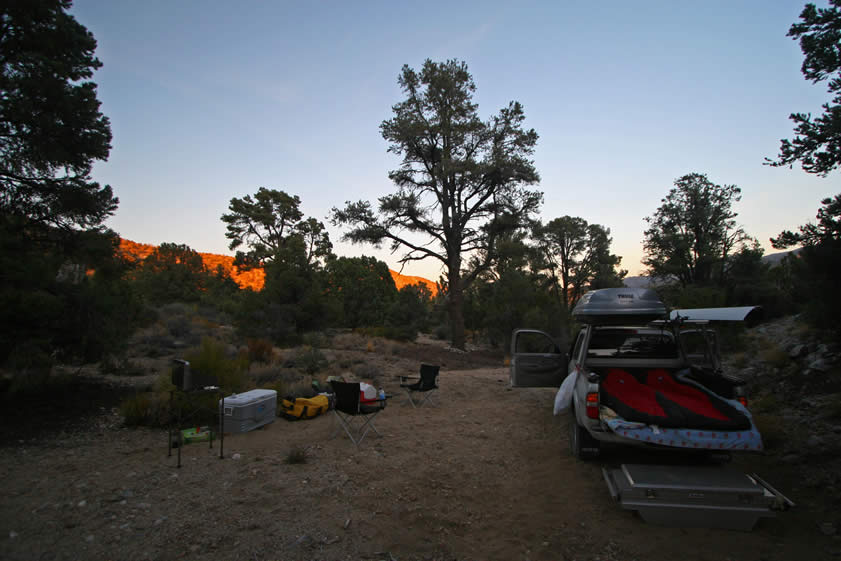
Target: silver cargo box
(247, 411)
(611, 306)
(694, 496)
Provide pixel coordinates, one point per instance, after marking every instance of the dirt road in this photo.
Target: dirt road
(484, 474)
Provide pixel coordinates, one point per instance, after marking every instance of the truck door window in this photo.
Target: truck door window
(534, 342)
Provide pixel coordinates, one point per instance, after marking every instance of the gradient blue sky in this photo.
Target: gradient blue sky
(212, 100)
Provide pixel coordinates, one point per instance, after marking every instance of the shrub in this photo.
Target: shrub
(833, 408)
(367, 371)
(442, 332)
(311, 360)
(264, 373)
(119, 366)
(147, 409)
(296, 455)
(260, 350)
(772, 429)
(775, 356)
(211, 359)
(299, 388)
(766, 403)
(315, 339)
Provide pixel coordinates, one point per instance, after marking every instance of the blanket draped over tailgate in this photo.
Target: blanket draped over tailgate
(687, 438)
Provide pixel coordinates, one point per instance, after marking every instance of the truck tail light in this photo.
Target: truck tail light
(743, 400)
(592, 408)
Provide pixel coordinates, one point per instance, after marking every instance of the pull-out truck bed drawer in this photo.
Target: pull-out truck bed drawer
(694, 496)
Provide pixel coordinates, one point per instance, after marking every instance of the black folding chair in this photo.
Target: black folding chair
(426, 385)
(355, 417)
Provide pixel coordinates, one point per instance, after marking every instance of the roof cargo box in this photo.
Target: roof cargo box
(248, 411)
(612, 306)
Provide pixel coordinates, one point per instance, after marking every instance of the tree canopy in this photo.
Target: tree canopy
(577, 257)
(692, 233)
(51, 211)
(817, 144)
(461, 184)
(266, 222)
(817, 267)
(828, 228)
(51, 128)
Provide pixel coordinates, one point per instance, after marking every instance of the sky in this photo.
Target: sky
(212, 100)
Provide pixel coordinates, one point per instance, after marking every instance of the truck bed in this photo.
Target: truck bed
(664, 407)
(666, 398)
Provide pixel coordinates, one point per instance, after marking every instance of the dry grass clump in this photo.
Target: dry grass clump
(260, 350)
(349, 341)
(368, 371)
(296, 455)
(775, 356)
(772, 429)
(766, 403)
(146, 409)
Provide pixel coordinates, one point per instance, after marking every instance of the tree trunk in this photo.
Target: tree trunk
(455, 303)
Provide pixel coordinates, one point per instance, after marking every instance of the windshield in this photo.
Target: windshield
(631, 343)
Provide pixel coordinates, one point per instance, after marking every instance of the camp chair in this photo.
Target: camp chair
(427, 383)
(355, 417)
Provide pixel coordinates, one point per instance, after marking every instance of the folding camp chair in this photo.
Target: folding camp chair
(427, 383)
(355, 417)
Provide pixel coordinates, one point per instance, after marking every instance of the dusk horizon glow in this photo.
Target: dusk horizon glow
(208, 102)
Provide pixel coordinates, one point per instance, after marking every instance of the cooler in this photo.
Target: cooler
(247, 411)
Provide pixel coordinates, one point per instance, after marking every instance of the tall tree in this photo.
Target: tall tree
(51, 129)
(828, 228)
(603, 266)
(364, 288)
(817, 144)
(266, 222)
(561, 244)
(576, 256)
(461, 184)
(818, 268)
(51, 211)
(173, 272)
(693, 232)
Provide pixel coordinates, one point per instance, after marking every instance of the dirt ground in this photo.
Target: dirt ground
(482, 474)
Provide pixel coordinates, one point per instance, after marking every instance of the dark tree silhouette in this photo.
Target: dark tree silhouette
(460, 186)
(817, 144)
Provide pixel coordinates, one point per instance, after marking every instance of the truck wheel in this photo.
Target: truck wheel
(581, 444)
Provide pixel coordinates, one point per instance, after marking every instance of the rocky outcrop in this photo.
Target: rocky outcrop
(793, 376)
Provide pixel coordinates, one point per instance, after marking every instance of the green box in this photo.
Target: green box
(196, 434)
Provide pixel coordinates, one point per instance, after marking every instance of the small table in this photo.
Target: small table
(177, 418)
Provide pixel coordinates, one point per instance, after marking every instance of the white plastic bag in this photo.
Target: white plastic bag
(563, 399)
(368, 391)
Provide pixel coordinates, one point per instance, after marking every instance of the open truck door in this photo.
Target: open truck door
(537, 361)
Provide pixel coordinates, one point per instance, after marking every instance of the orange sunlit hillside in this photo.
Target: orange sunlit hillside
(255, 278)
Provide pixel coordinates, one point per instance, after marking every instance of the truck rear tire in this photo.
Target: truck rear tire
(581, 444)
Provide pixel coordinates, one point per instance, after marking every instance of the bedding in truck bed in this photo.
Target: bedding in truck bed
(748, 440)
(657, 397)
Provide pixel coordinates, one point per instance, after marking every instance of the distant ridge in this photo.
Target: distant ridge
(253, 279)
(641, 281)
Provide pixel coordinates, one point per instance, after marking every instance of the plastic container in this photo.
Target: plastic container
(196, 434)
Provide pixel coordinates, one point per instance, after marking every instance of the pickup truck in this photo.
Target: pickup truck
(637, 376)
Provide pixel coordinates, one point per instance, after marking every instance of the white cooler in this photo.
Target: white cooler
(247, 411)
